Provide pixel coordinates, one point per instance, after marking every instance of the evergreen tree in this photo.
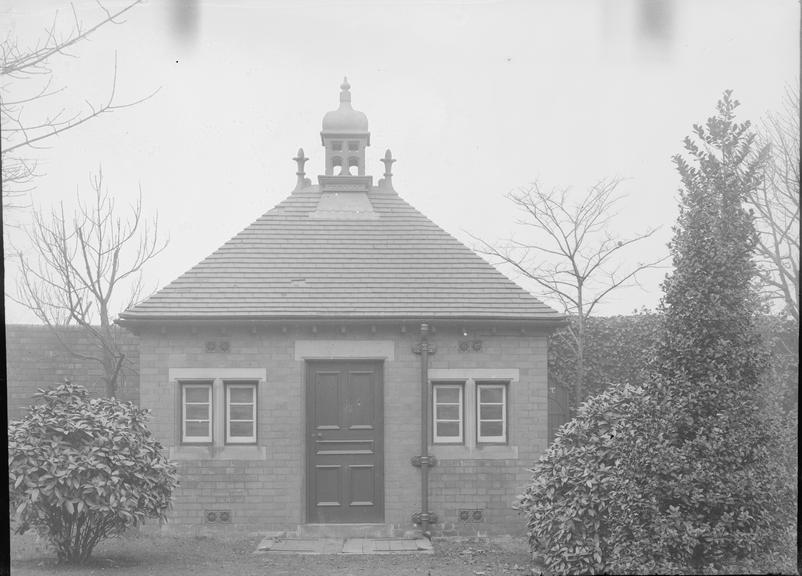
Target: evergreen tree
(710, 301)
(703, 466)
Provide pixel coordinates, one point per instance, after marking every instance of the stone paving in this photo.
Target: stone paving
(288, 544)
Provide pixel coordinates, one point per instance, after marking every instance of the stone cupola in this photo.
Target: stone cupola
(345, 136)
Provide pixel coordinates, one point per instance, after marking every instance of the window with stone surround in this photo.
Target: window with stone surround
(447, 412)
(217, 410)
(487, 398)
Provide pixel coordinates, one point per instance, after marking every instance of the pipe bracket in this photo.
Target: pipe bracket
(424, 346)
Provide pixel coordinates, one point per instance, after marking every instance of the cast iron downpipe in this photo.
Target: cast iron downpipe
(424, 461)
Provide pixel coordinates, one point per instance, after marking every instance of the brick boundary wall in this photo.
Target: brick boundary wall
(36, 359)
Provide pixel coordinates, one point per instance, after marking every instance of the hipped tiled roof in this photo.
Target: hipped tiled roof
(304, 260)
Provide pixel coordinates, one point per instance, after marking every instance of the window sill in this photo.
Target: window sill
(229, 452)
(485, 452)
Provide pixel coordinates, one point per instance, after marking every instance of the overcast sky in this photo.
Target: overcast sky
(475, 99)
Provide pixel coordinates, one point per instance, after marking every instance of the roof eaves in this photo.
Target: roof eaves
(545, 322)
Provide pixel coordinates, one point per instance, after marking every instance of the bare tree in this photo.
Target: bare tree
(80, 265)
(776, 207)
(575, 258)
(22, 132)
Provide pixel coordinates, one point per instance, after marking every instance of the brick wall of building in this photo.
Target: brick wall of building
(35, 359)
(266, 490)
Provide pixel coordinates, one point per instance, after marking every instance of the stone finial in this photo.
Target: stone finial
(388, 164)
(300, 159)
(345, 90)
(388, 169)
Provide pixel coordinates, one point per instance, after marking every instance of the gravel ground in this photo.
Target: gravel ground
(165, 555)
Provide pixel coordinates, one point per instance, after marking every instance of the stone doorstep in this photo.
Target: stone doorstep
(350, 530)
(279, 542)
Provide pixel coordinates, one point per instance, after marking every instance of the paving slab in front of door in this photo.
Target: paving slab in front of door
(386, 545)
(272, 544)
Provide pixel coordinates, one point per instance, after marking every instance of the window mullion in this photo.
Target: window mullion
(218, 412)
(470, 413)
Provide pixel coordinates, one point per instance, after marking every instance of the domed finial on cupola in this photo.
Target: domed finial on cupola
(300, 159)
(345, 136)
(346, 120)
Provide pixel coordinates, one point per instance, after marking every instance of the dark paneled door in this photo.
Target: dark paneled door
(345, 459)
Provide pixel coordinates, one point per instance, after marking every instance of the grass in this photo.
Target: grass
(169, 555)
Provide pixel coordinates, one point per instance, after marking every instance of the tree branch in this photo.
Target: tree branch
(81, 264)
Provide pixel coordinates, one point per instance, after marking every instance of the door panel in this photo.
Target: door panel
(327, 390)
(362, 485)
(345, 459)
(359, 403)
(328, 485)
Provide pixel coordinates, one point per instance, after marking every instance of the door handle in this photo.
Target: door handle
(319, 435)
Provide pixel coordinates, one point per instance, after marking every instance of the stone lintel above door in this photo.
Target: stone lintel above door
(331, 349)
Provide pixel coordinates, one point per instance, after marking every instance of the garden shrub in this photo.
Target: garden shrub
(84, 469)
(618, 493)
(700, 498)
(575, 496)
